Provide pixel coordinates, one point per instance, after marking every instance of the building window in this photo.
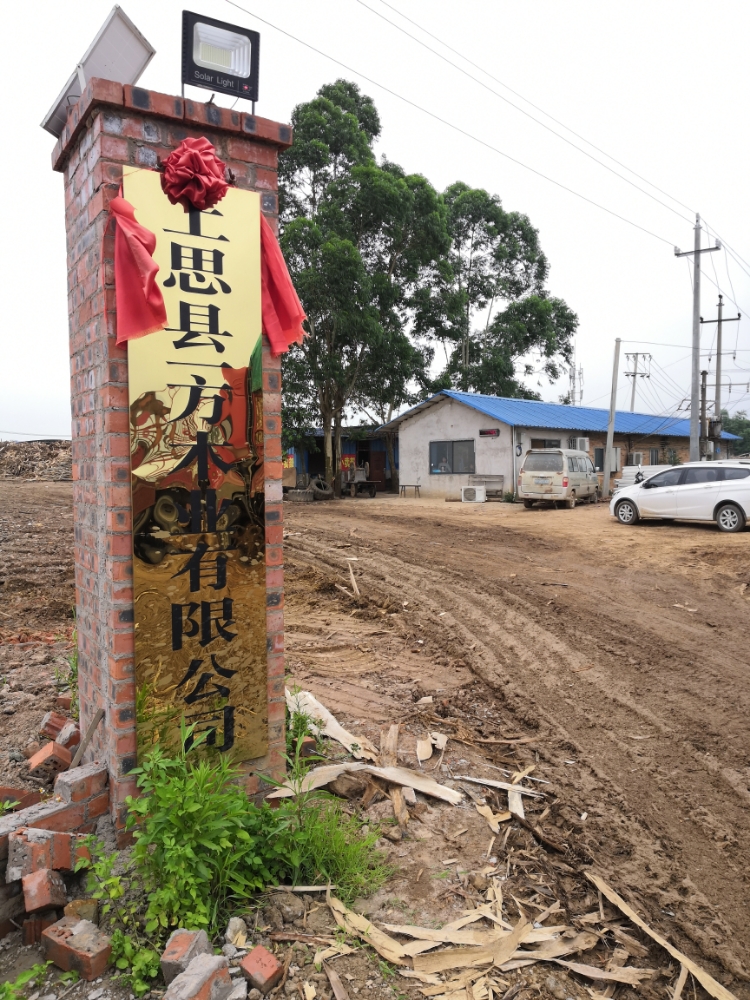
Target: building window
(545, 442)
(451, 458)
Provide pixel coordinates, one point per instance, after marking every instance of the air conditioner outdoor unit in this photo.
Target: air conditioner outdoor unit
(473, 494)
(578, 444)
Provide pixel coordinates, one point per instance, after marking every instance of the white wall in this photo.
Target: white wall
(452, 421)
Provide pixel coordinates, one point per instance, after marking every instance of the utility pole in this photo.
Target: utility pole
(704, 428)
(696, 252)
(646, 373)
(611, 423)
(635, 376)
(719, 323)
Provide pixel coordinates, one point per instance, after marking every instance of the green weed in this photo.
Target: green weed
(24, 981)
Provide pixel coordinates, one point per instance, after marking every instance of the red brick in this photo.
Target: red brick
(83, 782)
(163, 105)
(50, 760)
(63, 702)
(263, 128)
(83, 909)
(252, 152)
(51, 725)
(43, 890)
(86, 952)
(70, 735)
(213, 116)
(206, 977)
(182, 947)
(262, 969)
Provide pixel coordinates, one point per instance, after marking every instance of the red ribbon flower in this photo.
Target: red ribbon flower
(194, 175)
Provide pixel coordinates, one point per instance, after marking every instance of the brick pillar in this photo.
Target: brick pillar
(109, 127)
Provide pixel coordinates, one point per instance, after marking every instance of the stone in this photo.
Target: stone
(262, 969)
(77, 946)
(182, 947)
(229, 950)
(206, 978)
(254, 995)
(289, 905)
(43, 890)
(240, 990)
(236, 928)
(83, 909)
(272, 918)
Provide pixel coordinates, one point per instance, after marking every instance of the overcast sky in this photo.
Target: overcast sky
(662, 87)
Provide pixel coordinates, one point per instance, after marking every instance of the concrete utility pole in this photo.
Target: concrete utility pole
(611, 424)
(694, 390)
(720, 322)
(635, 376)
(704, 428)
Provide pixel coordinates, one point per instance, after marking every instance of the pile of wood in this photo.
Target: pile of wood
(36, 460)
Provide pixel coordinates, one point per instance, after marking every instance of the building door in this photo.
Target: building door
(377, 469)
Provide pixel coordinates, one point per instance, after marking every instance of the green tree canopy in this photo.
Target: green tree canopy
(360, 240)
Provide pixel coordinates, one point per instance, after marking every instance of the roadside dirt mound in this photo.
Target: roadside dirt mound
(36, 460)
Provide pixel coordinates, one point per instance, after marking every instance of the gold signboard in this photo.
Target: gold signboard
(196, 436)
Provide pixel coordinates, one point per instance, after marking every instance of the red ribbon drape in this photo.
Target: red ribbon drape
(282, 310)
(140, 303)
(194, 176)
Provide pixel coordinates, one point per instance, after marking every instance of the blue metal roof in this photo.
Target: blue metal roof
(534, 413)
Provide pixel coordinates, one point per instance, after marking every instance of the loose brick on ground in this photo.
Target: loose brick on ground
(43, 890)
(182, 947)
(69, 736)
(83, 909)
(50, 761)
(51, 725)
(206, 978)
(262, 969)
(77, 946)
(30, 849)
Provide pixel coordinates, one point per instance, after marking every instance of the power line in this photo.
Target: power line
(518, 108)
(36, 434)
(451, 125)
(537, 108)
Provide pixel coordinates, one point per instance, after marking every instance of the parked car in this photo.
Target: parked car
(557, 475)
(698, 491)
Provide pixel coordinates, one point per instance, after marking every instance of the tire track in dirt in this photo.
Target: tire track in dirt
(670, 818)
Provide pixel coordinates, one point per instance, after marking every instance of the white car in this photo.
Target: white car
(698, 491)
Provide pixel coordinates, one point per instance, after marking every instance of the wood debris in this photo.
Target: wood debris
(424, 750)
(504, 785)
(323, 722)
(359, 926)
(707, 982)
(339, 990)
(493, 819)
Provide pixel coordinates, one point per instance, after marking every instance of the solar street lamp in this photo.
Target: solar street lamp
(219, 56)
(119, 52)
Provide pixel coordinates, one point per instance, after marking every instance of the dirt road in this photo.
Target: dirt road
(617, 655)
(624, 649)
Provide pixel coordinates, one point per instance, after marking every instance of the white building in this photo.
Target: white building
(455, 438)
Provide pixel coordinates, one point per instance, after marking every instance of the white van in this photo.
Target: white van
(557, 475)
(697, 491)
